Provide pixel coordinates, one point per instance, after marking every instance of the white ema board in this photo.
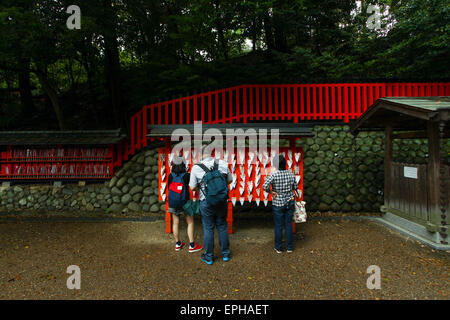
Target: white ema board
(410, 172)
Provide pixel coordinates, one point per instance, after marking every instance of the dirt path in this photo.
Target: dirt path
(136, 260)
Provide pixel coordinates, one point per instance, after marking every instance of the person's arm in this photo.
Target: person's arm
(193, 183)
(223, 168)
(229, 176)
(267, 184)
(294, 183)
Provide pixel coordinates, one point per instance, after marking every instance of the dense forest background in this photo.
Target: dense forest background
(129, 53)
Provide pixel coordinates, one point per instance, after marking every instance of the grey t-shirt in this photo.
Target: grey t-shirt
(198, 173)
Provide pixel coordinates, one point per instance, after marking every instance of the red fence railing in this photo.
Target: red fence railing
(291, 102)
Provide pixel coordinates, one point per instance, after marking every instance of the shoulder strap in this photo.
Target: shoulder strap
(216, 165)
(201, 165)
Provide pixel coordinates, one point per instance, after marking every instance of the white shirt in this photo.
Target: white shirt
(198, 173)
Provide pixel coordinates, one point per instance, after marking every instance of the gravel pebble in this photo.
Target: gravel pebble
(137, 260)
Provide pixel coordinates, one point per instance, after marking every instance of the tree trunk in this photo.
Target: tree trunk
(112, 64)
(52, 94)
(268, 31)
(25, 88)
(279, 31)
(220, 31)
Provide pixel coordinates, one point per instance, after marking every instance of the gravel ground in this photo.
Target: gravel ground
(136, 260)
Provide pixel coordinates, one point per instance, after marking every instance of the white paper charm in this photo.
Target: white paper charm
(297, 179)
(266, 194)
(250, 169)
(241, 157)
(249, 197)
(251, 156)
(241, 190)
(297, 156)
(257, 192)
(233, 201)
(163, 197)
(289, 163)
(260, 157)
(257, 201)
(250, 187)
(186, 156)
(194, 155)
(266, 202)
(242, 200)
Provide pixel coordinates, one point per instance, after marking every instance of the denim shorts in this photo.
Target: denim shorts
(175, 211)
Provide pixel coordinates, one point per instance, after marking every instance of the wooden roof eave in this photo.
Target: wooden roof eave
(409, 111)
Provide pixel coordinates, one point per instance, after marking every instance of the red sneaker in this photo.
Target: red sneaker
(196, 248)
(179, 247)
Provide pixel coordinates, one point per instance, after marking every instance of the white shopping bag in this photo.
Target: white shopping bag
(300, 210)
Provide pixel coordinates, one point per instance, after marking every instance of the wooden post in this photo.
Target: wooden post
(168, 214)
(292, 146)
(387, 164)
(443, 175)
(230, 217)
(433, 173)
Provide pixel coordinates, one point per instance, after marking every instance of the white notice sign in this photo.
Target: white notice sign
(410, 172)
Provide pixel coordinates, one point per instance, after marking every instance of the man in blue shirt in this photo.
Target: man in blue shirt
(212, 216)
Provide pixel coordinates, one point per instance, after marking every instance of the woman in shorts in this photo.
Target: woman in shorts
(178, 195)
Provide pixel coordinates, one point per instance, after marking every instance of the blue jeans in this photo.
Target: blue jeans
(283, 217)
(214, 217)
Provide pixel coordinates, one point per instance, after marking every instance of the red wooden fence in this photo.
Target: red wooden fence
(291, 102)
(57, 163)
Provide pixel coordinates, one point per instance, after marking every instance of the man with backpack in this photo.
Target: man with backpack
(211, 177)
(178, 195)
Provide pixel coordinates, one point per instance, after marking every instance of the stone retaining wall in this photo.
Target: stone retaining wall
(341, 174)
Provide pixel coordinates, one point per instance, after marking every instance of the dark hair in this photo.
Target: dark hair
(178, 165)
(280, 162)
(179, 168)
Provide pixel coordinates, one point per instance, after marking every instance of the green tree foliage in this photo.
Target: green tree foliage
(134, 52)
